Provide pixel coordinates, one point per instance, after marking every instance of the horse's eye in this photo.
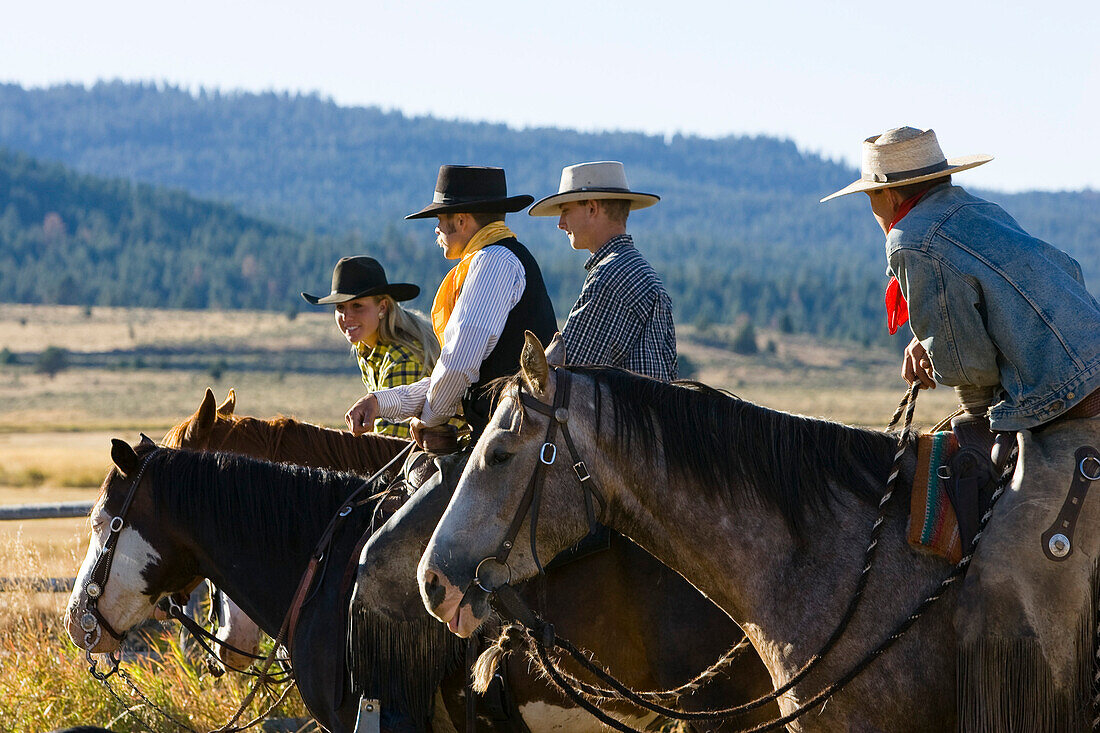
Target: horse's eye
(499, 457)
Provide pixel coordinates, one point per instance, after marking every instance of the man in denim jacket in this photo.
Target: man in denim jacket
(1005, 319)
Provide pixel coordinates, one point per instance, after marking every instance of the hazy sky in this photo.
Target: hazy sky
(1017, 79)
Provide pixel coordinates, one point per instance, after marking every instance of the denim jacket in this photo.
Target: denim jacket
(996, 307)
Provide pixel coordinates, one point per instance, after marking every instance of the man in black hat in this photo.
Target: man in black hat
(485, 303)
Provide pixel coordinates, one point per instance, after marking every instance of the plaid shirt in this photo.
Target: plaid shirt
(623, 316)
(388, 365)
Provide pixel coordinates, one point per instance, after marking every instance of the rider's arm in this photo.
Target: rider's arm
(493, 286)
(945, 315)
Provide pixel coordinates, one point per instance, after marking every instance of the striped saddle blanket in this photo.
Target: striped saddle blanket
(932, 524)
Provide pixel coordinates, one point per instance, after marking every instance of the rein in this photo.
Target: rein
(543, 636)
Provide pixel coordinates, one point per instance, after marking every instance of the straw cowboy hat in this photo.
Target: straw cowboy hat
(471, 189)
(603, 179)
(358, 277)
(902, 156)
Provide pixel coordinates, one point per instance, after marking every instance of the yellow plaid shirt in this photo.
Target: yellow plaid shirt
(384, 366)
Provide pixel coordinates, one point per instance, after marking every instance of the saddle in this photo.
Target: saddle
(954, 483)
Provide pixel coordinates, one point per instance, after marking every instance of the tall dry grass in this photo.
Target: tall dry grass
(45, 683)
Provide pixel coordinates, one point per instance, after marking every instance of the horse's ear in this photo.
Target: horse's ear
(202, 422)
(225, 409)
(124, 456)
(533, 368)
(555, 352)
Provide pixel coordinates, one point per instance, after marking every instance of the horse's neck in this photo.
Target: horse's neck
(324, 447)
(787, 593)
(258, 571)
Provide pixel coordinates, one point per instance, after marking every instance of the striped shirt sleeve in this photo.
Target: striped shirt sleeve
(493, 285)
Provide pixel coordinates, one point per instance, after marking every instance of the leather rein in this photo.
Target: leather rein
(532, 496)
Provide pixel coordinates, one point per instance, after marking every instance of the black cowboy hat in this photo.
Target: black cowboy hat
(471, 189)
(358, 277)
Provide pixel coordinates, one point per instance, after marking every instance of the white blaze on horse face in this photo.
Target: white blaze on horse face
(123, 603)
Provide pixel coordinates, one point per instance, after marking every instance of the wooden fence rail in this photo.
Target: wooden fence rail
(55, 510)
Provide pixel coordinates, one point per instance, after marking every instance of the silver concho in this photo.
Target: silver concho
(1058, 545)
(93, 590)
(88, 622)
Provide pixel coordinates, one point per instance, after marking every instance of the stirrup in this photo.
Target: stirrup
(369, 719)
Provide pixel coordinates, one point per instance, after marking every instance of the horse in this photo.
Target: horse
(669, 654)
(282, 439)
(767, 513)
(251, 527)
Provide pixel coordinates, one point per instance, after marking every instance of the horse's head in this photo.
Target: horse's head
(521, 468)
(204, 429)
(123, 575)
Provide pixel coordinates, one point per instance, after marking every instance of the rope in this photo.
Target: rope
(595, 692)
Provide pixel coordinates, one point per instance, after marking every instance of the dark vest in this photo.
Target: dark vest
(534, 312)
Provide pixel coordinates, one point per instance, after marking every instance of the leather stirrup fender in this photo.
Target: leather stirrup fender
(1058, 539)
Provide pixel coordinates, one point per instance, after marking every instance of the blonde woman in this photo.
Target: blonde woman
(392, 345)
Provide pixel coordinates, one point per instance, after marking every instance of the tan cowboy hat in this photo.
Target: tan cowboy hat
(604, 179)
(902, 156)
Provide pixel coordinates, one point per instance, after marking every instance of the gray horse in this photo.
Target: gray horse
(767, 513)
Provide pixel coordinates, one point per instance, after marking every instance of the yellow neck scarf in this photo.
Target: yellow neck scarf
(451, 286)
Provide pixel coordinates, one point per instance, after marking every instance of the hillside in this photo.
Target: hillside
(738, 232)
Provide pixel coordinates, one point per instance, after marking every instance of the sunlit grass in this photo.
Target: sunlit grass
(45, 683)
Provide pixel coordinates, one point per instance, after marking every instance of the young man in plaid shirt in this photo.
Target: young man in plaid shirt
(623, 316)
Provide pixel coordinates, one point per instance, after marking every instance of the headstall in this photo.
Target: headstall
(92, 620)
(559, 416)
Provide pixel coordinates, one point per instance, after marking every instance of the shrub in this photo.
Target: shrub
(51, 361)
(744, 339)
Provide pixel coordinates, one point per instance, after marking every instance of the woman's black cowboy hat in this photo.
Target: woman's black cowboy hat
(471, 189)
(358, 277)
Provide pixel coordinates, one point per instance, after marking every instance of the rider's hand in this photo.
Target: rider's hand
(360, 418)
(917, 366)
(416, 427)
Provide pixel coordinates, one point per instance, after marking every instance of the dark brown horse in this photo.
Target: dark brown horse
(661, 639)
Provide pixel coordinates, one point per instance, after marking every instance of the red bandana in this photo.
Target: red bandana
(897, 310)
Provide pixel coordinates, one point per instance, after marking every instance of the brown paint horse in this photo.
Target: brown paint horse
(661, 638)
(250, 526)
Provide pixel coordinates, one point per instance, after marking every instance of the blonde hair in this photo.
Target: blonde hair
(410, 329)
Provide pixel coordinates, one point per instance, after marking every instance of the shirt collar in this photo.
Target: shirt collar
(615, 243)
(372, 354)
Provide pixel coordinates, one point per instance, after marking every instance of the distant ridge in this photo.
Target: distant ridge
(738, 232)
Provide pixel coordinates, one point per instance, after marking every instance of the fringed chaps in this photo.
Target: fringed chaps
(1027, 625)
(401, 663)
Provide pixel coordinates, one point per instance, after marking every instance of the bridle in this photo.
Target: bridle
(92, 621)
(559, 417)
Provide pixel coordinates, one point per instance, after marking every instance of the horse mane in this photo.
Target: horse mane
(290, 440)
(730, 446)
(221, 495)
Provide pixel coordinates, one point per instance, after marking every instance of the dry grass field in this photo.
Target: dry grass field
(55, 431)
